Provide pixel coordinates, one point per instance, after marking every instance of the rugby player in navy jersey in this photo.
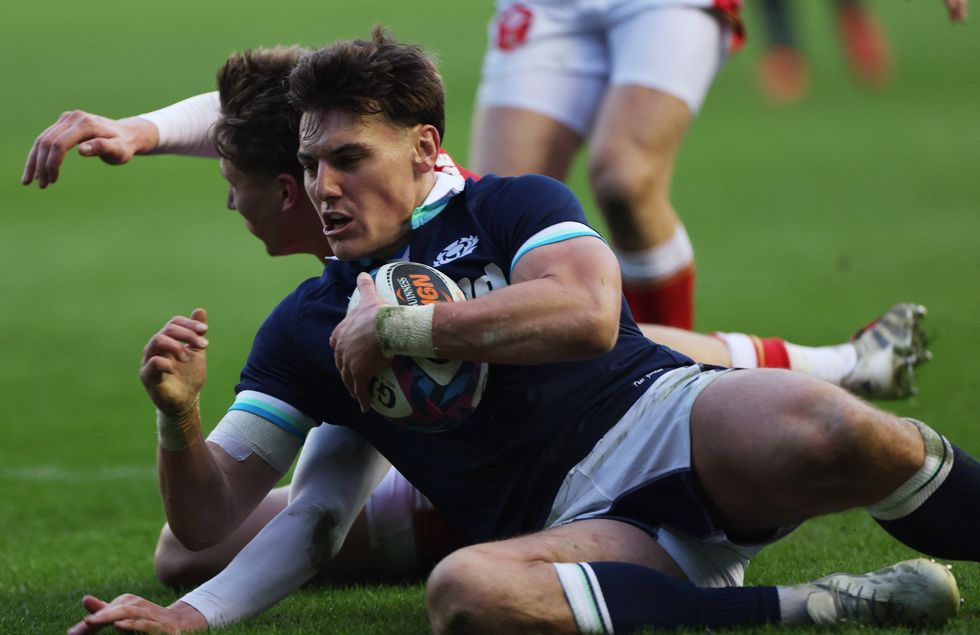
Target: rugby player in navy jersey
(610, 467)
(399, 534)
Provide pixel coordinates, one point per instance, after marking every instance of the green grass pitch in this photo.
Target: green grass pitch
(808, 221)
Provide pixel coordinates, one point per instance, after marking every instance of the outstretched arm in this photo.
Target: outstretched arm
(114, 141)
(181, 128)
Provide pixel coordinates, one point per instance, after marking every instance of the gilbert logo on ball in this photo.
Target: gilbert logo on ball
(423, 394)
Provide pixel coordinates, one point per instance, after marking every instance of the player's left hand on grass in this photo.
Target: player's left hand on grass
(355, 344)
(130, 612)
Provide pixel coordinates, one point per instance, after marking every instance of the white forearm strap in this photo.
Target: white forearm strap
(405, 330)
(911, 494)
(185, 127)
(176, 432)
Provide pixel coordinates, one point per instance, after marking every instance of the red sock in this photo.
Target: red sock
(771, 352)
(669, 302)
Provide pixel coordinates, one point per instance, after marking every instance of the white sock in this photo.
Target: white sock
(659, 262)
(830, 363)
(911, 494)
(741, 349)
(792, 604)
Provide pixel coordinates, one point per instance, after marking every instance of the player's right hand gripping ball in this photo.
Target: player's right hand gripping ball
(423, 394)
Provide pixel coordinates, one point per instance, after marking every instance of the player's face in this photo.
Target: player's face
(258, 198)
(364, 177)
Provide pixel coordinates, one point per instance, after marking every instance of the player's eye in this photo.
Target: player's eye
(307, 162)
(346, 161)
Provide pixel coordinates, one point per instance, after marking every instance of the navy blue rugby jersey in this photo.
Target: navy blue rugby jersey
(496, 475)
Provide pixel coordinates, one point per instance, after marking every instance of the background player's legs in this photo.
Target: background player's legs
(634, 146)
(864, 42)
(878, 362)
(663, 61)
(512, 141)
(782, 71)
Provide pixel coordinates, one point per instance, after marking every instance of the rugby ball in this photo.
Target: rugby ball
(423, 394)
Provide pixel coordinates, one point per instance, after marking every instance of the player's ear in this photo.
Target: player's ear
(291, 189)
(427, 144)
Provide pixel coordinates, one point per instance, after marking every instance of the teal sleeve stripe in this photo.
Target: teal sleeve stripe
(550, 240)
(267, 413)
(284, 414)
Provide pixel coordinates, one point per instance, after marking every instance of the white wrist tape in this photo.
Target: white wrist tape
(405, 330)
(175, 432)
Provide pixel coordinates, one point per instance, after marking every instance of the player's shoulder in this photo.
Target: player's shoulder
(331, 287)
(525, 184)
(523, 194)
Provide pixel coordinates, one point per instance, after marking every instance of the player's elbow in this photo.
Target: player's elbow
(598, 330)
(197, 539)
(178, 567)
(598, 339)
(200, 531)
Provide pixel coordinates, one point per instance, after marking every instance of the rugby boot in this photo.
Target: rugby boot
(911, 593)
(888, 352)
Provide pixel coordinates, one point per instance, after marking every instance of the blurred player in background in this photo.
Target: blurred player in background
(249, 124)
(783, 72)
(628, 76)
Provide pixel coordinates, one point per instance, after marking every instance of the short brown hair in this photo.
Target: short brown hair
(258, 128)
(380, 77)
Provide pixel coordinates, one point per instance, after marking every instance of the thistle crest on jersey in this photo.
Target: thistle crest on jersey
(425, 395)
(456, 249)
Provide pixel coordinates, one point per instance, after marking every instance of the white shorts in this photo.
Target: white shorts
(558, 58)
(407, 535)
(640, 472)
(390, 512)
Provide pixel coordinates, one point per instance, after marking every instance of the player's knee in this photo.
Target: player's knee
(830, 438)
(616, 190)
(174, 565)
(454, 594)
(621, 181)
